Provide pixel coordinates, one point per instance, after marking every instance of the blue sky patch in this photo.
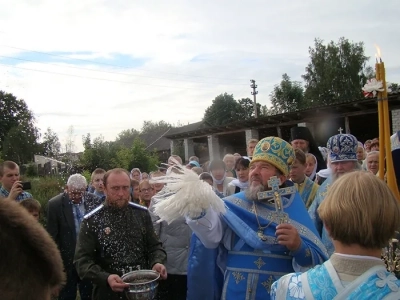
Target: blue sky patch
(115, 59)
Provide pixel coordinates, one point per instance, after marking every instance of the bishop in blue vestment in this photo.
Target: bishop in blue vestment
(343, 156)
(265, 232)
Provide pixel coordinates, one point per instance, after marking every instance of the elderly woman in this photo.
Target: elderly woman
(372, 162)
(361, 215)
(360, 153)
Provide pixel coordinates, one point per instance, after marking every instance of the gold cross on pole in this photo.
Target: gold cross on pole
(276, 193)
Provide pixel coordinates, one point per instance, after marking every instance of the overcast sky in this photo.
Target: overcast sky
(106, 66)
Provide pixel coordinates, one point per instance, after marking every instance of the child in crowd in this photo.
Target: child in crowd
(97, 182)
(32, 206)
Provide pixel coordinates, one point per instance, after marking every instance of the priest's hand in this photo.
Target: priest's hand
(160, 269)
(288, 236)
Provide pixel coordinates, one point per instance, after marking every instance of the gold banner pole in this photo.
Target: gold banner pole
(390, 174)
(381, 126)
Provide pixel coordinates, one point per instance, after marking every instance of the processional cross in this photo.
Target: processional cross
(276, 193)
(340, 130)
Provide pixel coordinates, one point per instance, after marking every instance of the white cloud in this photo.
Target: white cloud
(191, 50)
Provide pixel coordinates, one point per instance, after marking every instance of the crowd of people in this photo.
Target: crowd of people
(301, 222)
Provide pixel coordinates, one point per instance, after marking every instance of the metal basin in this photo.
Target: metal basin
(143, 284)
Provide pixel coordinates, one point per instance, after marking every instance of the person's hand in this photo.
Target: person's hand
(288, 236)
(16, 190)
(116, 284)
(160, 269)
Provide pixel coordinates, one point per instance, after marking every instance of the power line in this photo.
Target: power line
(118, 66)
(104, 79)
(158, 138)
(111, 72)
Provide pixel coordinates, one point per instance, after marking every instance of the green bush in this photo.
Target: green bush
(31, 170)
(87, 175)
(45, 188)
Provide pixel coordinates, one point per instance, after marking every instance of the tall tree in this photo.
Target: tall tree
(152, 127)
(224, 109)
(287, 96)
(70, 140)
(247, 109)
(98, 154)
(51, 144)
(126, 137)
(69, 147)
(18, 133)
(336, 72)
(394, 87)
(142, 158)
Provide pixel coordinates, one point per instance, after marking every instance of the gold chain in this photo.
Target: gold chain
(258, 222)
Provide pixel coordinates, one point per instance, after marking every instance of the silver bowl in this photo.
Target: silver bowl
(143, 284)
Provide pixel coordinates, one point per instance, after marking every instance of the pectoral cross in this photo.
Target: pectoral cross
(276, 193)
(340, 130)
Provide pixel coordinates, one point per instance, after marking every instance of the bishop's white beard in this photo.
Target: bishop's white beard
(251, 192)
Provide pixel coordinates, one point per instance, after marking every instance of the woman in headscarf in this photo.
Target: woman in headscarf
(360, 153)
(311, 168)
(217, 169)
(242, 181)
(136, 174)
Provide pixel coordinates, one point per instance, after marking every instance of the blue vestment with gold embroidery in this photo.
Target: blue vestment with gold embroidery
(251, 264)
(313, 212)
(307, 190)
(323, 282)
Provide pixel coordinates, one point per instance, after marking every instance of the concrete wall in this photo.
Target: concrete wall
(395, 120)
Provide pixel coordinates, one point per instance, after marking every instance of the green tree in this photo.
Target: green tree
(127, 136)
(51, 144)
(247, 109)
(141, 158)
(336, 72)
(265, 111)
(394, 87)
(287, 96)
(369, 72)
(224, 109)
(98, 154)
(153, 127)
(18, 133)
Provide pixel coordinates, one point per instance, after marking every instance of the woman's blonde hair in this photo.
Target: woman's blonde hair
(360, 209)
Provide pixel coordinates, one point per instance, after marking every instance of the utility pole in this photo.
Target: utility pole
(254, 93)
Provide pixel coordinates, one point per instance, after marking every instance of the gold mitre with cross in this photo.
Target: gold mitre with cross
(280, 154)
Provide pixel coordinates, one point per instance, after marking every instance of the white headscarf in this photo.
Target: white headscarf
(136, 170)
(312, 176)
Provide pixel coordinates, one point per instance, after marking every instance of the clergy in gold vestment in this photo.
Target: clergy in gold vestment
(305, 186)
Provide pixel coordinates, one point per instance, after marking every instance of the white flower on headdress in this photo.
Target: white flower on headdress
(372, 87)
